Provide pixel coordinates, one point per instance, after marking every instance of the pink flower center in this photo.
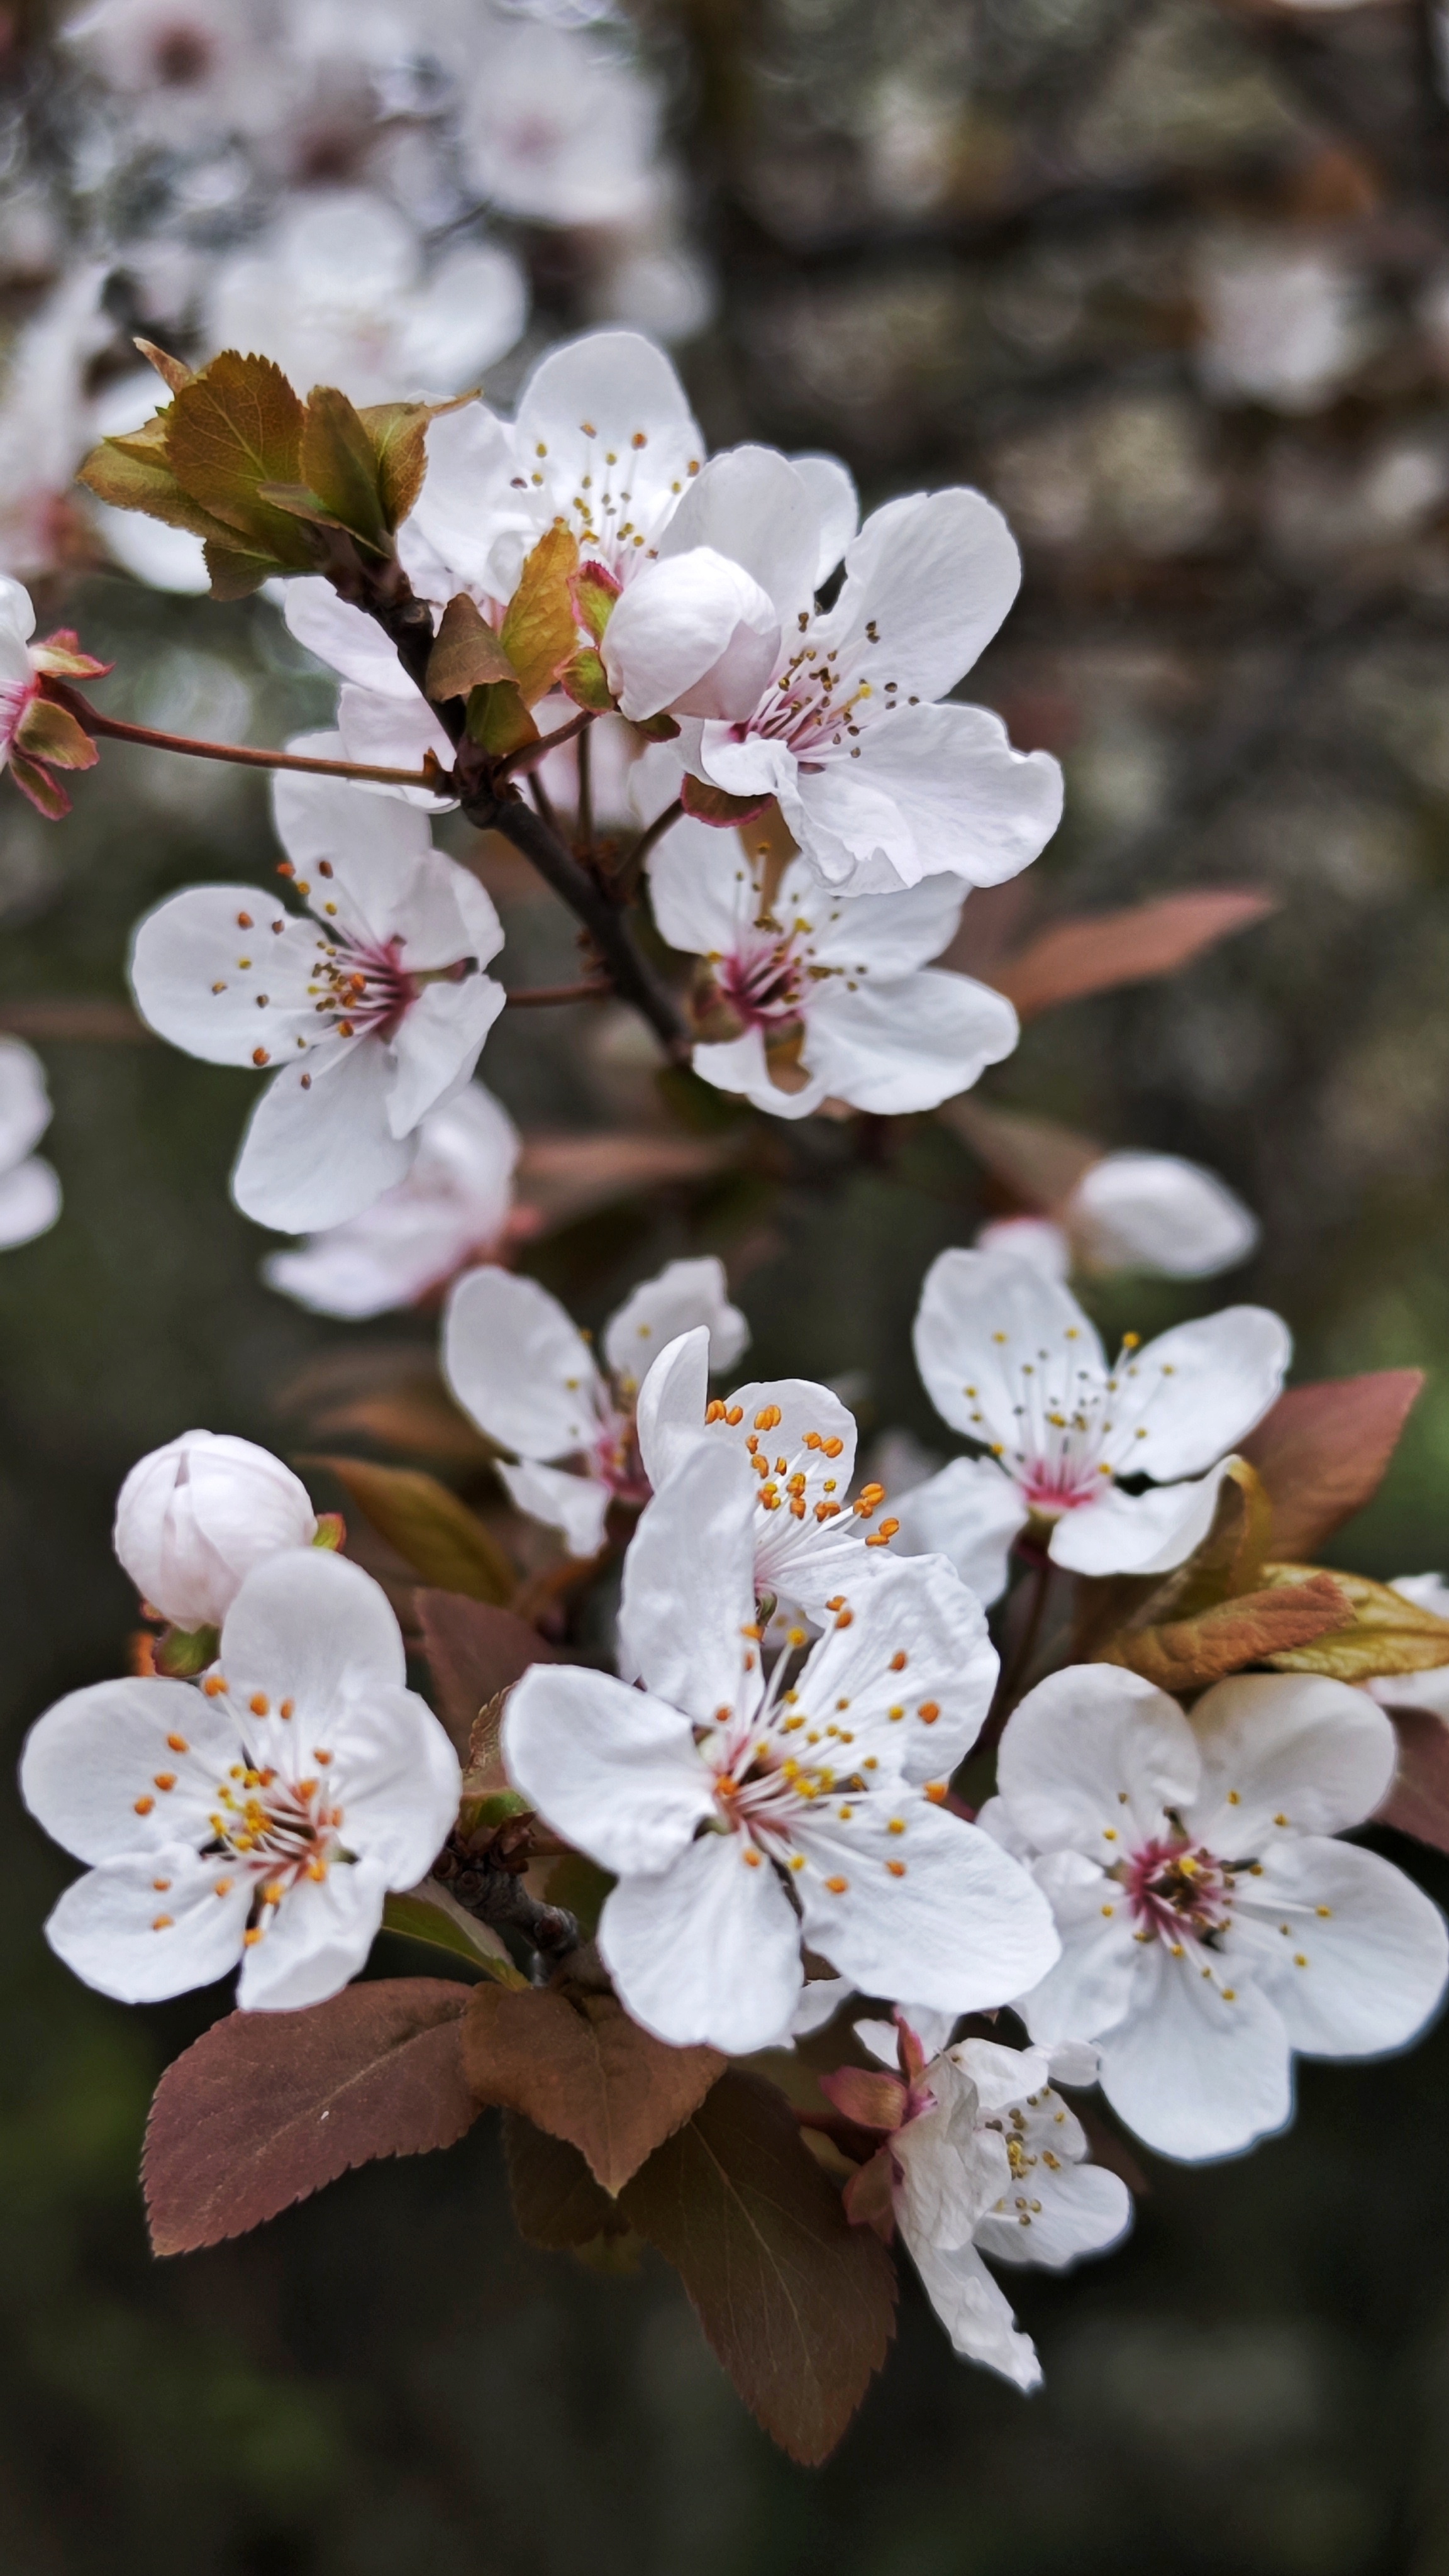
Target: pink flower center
(616, 1461)
(764, 984)
(368, 988)
(812, 706)
(15, 697)
(1179, 1892)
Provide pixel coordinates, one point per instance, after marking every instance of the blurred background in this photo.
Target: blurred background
(1170, 280)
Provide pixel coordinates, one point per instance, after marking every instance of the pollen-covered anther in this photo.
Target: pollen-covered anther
(178, 1744)
(837, 1885)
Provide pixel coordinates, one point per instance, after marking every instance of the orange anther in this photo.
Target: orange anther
(837, 1886)
(714, 1411)
(213, 1685)
(928, 1712)
(163, 1922)
(845, 1618)
(259, 1704)
(936, 1792)
(243, 921)
(766, 1419)
(797, 1507)
(178, 1744)
(164, 1779)
(260, 1056)
(736, 1414)
(143, 1806)
(161, 1885)
(751, 1856)
(897, 1868)
(223, 1887)
(316, 1869)
(832, 1448)
(251, 1938)
(324, 1758)
(838, 1603)
(898, 1660)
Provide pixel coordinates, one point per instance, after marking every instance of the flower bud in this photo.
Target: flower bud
(195, 1517)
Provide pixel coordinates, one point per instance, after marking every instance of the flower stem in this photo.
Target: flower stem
(114, 729)
(538, 997)
(1016, 1672)
(623, 884)
(530, 754)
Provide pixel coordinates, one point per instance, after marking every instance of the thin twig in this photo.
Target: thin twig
(516, 764)
(626, 875)
(498, 1896)
(113, 728)
(537, 997)
(584, 821)
(543, 801)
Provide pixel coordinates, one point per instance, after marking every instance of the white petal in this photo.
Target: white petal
(314, 1941)
(1158, 1212)
(29, 1202)
(1094, 1984)
(894, 1048)
(346, 638)
(1084, 2209)
(820, 2001)
(965, 802)
(886, 936)
(969, 1512)
(751, 506)
(1291, 1745)
(1413, 1690)
(318, 1146)
(613, 1769)
(1117, 1533)
(701, 888)
(915, 1670)
(1194, 2074)
(1001, 2077)
(575, 1505)
(981, 1314)
(792, 1430)
(685, 1294)
(1029, 1238)
(709, 1952)
(1361, 1965)
(436, 1045)
(1092, 1758)
(395, 1780)
(519, 1366)
(466, 502)
(1197, 1390)
(933, 2029)
(376, 838)
(311, 1627)
(105, 1927)
(393, 733)
(935, 573)
(975, 2311)
(91, 1757)
(195, 1516)
(694, 632)
(25, 1111)
(837, 506)
(223, 971)
(964, 1928)
(472, 308)
(669, 1417)
(689, 1587)
(742, 1066)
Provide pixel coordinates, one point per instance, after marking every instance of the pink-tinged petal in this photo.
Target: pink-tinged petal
(350, 641)
(310, 1627)
(576, 1506)
(1353, 1955)
(969, 1512)
(223, 971)
(981, 1315)
(318, 1146)
(614, 1770)
(669, 1418)
(93, 1765)
(1093, 1758)
(30, 1202)
(934, 573)
(1286, 1752)
(1194, 2074)
(971, 806)
(519, 1366)
(974, 2310)
(911, 1677)
(684, 1295)
(1196, 1390)
(937, 1911)
(751, 506)
(707, 1953)
(436, 1045)
(142, 1930)
(1029, 1238)
(894, 1048)
(315, 1941)
(837, 508)
(695, 632)
(688, 1603)
(1117, 1533)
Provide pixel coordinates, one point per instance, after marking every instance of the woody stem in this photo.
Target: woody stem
(114, 729)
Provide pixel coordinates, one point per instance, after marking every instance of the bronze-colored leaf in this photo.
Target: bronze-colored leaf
(586, 682)
(710, 804)
(1099, 951)
(1229, 1561)
(132, 476)
(1418, 1801)
(1323, 1450)
(498, 720)
(446, 1543)
(584, 2071)
(339, 462)
(173, 372)
(798, 2305)
(1183, 1654)
(1387, 1634)
(556, 2201)
(475, 1652)
(560, 1178)
(266, 2107)
(398, 432)
(236, 426)
(467, 654)
(540, 631)
(234, 573)
(51, 733)
(1039, 1161)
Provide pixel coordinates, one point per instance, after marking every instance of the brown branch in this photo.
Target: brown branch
(515, 764)
(497, 1896)
(537, 997)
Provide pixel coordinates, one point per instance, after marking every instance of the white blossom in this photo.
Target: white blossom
(558, 126)
(1149, 1212)
(522, 1369)
(1211, 1927)
(262, 1814)
(189, 71)
(707, 1793)
(1284, 321)
(195, 1517)
(453, 1209)
(1009, 1358)
(29, 1187)
(819, 997)
(372, 1011)
(45, 422)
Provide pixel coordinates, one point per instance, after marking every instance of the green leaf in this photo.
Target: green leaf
(595, 592)
(498, 720)
(398, 435)
(437, 1534)
(234, 428)
(583, 2071)
(182, 1653)
(235, 574)
(467, 654)
(428, 1913)
(340, 463)
(1384, 1633)
(797, 2304)
(266, 2107)
(540, 630)
(585, 680)
(132, 476)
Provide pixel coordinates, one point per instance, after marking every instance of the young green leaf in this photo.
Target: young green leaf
(339, 463)
(446, 1543)
(133, 475)
(585, 2072)
(798, 2305)
(398, 434)
(51, 733)
(428, 1913)
(540, 631)
(266, 2107)
(498, 720)
(234, 428)
(1323, 1450)
(1383, 1634)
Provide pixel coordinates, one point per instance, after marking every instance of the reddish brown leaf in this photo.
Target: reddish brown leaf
(712, 805)
(267, 2107)
(584, 2072)
(437, 1534)
(467, 654)
(1418, 1802)
(1037, 1160)
(556, 2201)
(798, 2304)
(1323, 1449)
(1098, 951)
(1182, 1654)
(474, 1651)
(562, 1177)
